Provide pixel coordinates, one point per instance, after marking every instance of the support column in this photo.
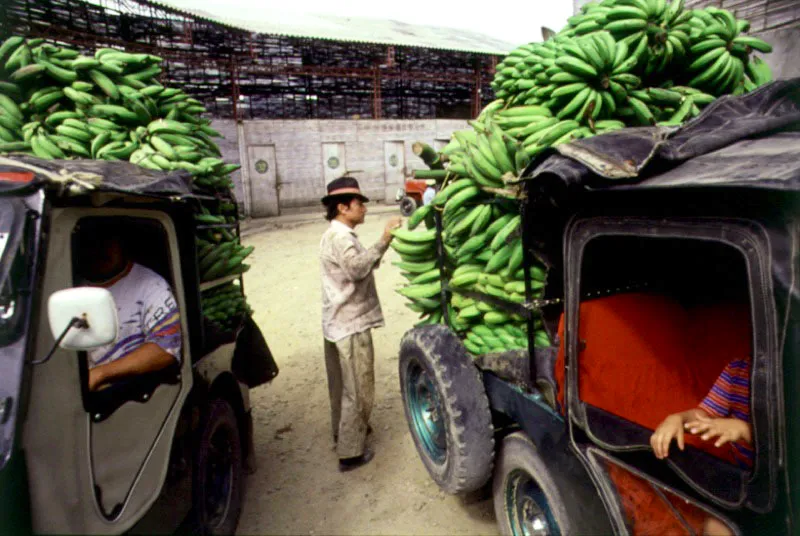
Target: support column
(376, 93)
(235, 90)
(476, 94)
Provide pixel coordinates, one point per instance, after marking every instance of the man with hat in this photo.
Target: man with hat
(350, 309)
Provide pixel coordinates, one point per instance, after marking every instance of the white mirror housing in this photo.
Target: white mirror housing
(94, 305)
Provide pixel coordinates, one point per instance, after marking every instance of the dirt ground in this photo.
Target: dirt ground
(298, 488)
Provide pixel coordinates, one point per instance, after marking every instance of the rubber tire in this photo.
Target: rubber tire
(407, 206)
(467, 419)
(220, 416)
(518, 452)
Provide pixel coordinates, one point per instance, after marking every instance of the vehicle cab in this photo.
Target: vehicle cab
(152, 452)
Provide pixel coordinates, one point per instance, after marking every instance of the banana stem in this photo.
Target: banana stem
(428, 155)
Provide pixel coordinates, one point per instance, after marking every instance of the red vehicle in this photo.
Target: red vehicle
(410, 197)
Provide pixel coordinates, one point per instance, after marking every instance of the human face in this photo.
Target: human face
(354, 213)
(102, 259)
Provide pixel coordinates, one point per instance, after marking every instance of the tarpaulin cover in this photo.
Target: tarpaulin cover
(749, 141)
(102, 175)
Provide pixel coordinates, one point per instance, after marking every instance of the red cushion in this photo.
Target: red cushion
(645, 510)
(646, 356)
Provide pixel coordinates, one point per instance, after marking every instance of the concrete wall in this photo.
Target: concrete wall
(785, 56)
(299, 156)
(576, 6)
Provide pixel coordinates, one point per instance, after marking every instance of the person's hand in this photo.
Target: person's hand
(714, 527)
(95, 378)
(725, 430)
(394, 223)
(671, 427)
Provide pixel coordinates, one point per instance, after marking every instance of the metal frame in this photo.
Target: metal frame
(241, 75)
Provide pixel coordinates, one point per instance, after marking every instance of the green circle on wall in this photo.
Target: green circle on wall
(393, 160)
(262, 166)
(333, 162)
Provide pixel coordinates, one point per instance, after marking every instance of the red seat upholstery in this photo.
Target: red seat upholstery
(646, 511)
(646, 356)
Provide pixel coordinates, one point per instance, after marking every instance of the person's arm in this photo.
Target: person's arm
(357, 264)
(672, 428)
(149, 357)
(716, 420)
(161, 327)
(724, 429)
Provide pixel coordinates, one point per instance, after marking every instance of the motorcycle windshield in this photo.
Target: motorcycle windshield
(19, 226)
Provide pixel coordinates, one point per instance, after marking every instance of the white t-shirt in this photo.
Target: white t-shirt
(147, 312)
(427, 197)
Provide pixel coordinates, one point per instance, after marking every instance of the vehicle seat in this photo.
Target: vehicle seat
(645, 356)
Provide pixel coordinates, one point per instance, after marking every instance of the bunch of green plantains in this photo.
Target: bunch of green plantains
(617, 64)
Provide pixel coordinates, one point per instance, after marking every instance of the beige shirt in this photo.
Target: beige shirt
(349, 298)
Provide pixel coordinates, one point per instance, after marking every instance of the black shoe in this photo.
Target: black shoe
(348, 464)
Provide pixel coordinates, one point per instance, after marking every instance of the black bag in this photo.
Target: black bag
(253, 363)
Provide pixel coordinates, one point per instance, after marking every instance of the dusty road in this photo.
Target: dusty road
(298, 488)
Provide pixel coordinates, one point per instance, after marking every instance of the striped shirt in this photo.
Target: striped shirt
(146, 311)
(730, 398)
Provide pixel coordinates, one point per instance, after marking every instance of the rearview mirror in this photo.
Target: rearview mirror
(94, 306)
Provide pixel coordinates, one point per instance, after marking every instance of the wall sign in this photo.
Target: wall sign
(261, 166)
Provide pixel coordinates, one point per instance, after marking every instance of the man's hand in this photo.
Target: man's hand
(725, 430)
(149, 357)
(96, 378)
(671, 427)
(391, 225)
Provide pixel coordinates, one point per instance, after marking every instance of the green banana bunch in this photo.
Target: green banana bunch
(721, 53)
(618, 63)
(56, 103)
(220, 255)
(224, 305)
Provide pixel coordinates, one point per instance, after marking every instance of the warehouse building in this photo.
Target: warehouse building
(299, 101)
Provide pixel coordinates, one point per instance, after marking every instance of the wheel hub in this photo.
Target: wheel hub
(424, 406)
(527, 508)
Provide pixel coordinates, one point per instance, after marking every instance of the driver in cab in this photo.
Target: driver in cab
(149, 334)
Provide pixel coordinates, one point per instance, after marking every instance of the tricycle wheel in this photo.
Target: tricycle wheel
(446, 408)
(407, 206)
(527, 501)
(218, 474)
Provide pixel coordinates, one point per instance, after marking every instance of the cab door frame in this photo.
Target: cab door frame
(749, 238)
(57, 431)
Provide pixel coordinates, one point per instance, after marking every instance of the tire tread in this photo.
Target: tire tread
(468, 419)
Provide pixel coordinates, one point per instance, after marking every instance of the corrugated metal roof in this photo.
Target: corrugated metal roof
(355, 29)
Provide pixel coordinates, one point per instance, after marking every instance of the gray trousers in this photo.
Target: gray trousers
(351, 385)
